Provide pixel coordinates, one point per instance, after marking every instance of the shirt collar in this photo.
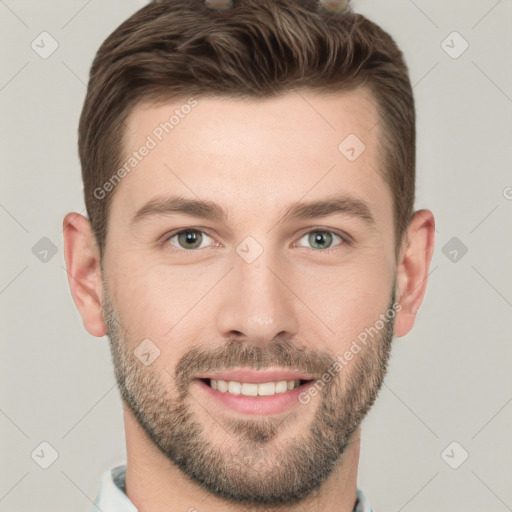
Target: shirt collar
(112, 497)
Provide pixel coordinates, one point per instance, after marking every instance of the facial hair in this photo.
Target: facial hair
(256, 468)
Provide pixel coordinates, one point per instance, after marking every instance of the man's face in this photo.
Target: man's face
(257, 290)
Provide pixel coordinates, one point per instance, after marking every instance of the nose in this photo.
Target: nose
(258, 304)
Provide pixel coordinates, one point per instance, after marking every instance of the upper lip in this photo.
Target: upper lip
(257, 376)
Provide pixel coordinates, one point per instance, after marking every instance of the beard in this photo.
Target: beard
(259, 465)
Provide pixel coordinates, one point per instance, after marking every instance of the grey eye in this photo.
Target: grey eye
(320, 239)
(189, 239)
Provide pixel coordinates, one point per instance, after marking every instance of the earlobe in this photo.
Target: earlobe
(412, 269)
(84, 273)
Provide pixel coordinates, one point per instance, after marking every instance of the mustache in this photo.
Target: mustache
(235, 354)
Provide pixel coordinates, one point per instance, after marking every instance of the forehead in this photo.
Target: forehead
(254, 152)
(215, 121)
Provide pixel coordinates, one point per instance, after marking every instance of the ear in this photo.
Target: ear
(412, 269)
(82, 257)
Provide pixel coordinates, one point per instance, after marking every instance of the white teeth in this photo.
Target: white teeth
(222, 385)
(252, 389)
(234, 387)
(266, 389)
(281, 386)
(249, 389)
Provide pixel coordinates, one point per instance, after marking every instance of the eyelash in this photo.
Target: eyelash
(344, 239)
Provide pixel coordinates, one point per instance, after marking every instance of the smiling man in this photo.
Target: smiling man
(251, 248)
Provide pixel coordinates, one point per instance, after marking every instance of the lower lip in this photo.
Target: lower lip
(261, 405)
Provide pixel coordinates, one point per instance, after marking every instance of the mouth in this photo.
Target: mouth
(256, 393)
(253, 388)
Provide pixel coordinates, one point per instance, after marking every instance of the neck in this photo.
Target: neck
(153, 483)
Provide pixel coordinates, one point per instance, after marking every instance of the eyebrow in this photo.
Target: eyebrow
(338, 204)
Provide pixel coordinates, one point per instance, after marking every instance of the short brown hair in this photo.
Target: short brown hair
(259, 48)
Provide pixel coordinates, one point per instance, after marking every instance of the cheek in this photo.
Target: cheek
(150, 313)
(347, 299)
(157, 301)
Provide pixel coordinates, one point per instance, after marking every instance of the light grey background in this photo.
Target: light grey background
(450, 379)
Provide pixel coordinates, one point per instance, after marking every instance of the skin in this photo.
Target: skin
(295, 306)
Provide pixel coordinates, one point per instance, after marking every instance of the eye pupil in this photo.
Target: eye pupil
(190, 237)
(319, 237)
